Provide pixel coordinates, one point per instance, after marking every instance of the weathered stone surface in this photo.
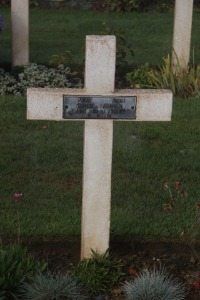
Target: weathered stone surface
(47, 104)
(20, 32)
(182, 32)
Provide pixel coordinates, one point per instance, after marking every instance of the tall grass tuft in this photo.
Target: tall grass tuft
(51, 286)
(182, 82)
(154, 285)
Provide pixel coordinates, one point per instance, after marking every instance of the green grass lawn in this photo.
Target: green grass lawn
(46, 165)
(44, 160)
(54, 31)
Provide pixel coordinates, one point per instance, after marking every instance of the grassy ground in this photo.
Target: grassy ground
(45, 163)
(54, 31)
(43, 160)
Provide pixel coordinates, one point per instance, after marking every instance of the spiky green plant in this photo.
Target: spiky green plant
(100, 273)
(154, 285)
(182, 82)
(51, 286)
(16, 266)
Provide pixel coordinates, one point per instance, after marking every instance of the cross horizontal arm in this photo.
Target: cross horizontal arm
(47, 104)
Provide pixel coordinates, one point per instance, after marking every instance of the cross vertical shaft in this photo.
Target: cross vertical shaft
(98, 139)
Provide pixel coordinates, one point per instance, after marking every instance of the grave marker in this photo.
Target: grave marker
(182, 32)
(20, 32)
(101, 101)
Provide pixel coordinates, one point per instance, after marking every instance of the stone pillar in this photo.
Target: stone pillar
(182, 33)
(20, 32)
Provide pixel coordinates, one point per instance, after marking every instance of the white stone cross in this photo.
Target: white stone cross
(182, 33)
(47, 104)
(20, 32)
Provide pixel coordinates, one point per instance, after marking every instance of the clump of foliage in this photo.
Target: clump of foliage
(99, 274)
(154, 285)
(138, 5)
(8, 2)
(124, 48)
(16, 266)
(182, 82)
(52, 286)
(40, 76)
(139, 78)
(121, 5)
(64, 58)
(8, 84)
(35, 75)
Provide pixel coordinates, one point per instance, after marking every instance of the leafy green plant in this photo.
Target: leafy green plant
(16, 266)
(182, 82)
(35, 75)
(8, 84)
(154, 285)
(124, 48)
(40, 76)
(121, 5)
(64, 58)
(52, 287)
(138, 5)
(33, 3)
(99, 274)
(139, 77)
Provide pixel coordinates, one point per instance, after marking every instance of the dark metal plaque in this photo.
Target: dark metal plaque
(99, 107)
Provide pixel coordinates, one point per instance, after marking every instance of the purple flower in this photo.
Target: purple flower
(17, 196)
(1, 23)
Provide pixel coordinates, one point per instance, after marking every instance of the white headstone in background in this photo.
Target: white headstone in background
(20, 32)
(48, 104)
(182, 32)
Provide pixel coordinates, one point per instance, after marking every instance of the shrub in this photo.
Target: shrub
(99, 274)
(8, 84)
(139, 77)
(51, 286)
(35, 75)
(63, 58)
(138, 5)
(16, 266)
(121, 5)
(40, 76)
(182, 82)
(124, 48)
(154, 285)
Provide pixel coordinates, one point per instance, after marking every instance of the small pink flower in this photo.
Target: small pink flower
(196, 285)
(177, 185)
(17, 196)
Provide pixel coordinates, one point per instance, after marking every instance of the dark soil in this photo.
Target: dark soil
(177, 258)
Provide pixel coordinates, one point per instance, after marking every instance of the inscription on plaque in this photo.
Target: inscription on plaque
(99, 107)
